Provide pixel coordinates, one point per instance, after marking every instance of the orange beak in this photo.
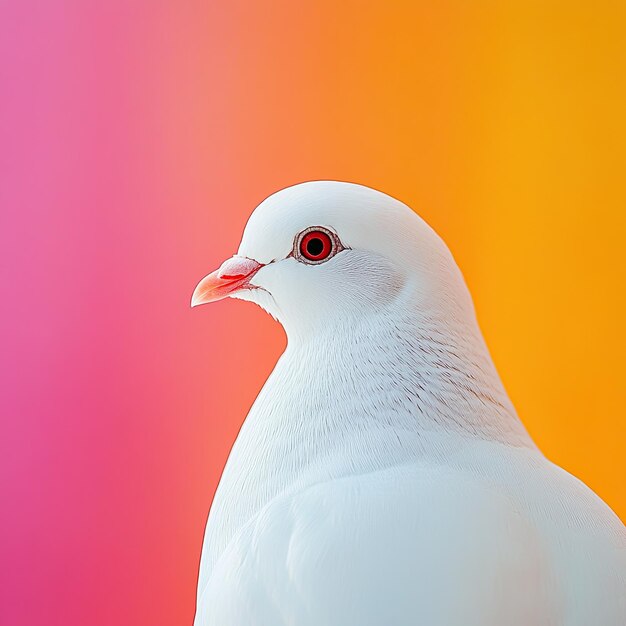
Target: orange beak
(233, 275)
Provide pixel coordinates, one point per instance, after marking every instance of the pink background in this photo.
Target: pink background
(135, 139)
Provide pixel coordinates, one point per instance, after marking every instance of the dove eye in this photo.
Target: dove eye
(316, 245)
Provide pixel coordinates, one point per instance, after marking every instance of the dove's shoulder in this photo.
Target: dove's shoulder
(431, 541)
(376, 548)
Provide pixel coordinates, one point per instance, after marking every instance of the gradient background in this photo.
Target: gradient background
(135, 139)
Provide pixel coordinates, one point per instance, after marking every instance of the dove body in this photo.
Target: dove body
(382, 475)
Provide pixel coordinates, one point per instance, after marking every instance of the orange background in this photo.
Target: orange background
(137, 137)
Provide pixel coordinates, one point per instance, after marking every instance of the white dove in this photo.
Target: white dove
(382, 477)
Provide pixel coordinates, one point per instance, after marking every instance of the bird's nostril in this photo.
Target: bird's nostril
(238, 268)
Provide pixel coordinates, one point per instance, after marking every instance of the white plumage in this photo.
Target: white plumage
(382, 476)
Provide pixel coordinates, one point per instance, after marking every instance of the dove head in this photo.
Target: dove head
(371, 298)
(327, 256)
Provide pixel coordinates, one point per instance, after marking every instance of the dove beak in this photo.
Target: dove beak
(233, 275)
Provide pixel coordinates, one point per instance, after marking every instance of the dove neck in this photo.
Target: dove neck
(426, 372)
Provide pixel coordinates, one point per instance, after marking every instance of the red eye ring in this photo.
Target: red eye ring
(316, 246)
